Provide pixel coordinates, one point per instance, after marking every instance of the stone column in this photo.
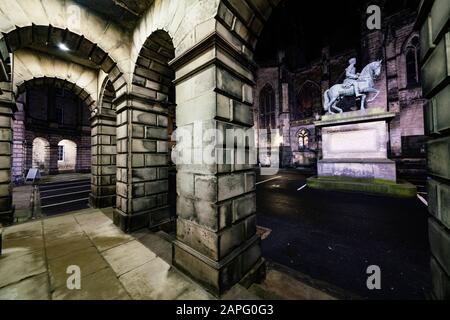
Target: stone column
(216, 241)
(19, 148)
(53, 155)
(104, 148)
(434, 19)
(83, 164)
(142, 163)
(7, 106)
(29, 152)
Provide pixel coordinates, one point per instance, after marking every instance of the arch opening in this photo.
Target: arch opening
(67, 156)
(302, 50)
(41, 155)
(52, 132)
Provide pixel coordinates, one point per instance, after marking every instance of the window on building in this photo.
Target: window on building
(412, 62)
(60, 115)
(303, 139)
(267, 112)
(60, 153)
(309, 101)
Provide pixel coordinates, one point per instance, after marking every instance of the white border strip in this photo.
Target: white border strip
(64, 194)
(67, 202)
(268, 180)
(425, 202)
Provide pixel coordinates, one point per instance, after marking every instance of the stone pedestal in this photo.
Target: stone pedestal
(355, 154)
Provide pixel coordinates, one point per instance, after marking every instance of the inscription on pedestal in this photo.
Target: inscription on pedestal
(356, 150)
(355, 141)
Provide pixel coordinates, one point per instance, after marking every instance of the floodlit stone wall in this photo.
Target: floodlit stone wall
(433, 21)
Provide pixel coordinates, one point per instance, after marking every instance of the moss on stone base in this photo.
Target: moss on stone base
(374, 186)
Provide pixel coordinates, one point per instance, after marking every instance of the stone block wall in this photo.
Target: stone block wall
(433, 21)
(19, 147)
(7, 106)
(142, 163)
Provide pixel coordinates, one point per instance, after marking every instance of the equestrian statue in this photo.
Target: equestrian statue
(355, 85)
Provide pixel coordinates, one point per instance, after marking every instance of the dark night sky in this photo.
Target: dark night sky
(302, 28)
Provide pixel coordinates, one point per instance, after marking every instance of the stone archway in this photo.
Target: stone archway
(20, 130)
(40, 155)
(90, 38)
(32, 69)
(45, 29)
(67, 156)
(210, 61)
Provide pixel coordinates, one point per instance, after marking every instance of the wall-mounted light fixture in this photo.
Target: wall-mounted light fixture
(63, 47)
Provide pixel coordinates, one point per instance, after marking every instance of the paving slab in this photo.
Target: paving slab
(16, 268)
(102, 285)
(22, 246)
(67, 245)
(161, 247)
(67, 231)
(128, 256)
(156, 280)
(88, 260)
(24, 230)
(238, 292)
(34, 288)
(195, 293)
(92, 219)
(56, 222)
(107, 237)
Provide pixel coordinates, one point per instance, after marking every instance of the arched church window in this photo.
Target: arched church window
(303, 139)
(309, 101)
(412, 62)
(267, 112)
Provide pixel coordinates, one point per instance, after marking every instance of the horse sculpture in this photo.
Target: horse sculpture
(365, 84)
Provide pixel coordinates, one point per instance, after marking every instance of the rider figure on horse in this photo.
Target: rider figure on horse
(352, 77)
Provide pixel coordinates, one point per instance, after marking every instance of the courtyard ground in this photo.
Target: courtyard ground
(321, 239)
(36, 256)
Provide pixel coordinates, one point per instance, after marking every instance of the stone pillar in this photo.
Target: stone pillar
(29, 153)
(142, 163)
(53, 155)
(19, 147)
(7, 106)
(434, 18)
(83, 163)
(216, 241)
(104, 148)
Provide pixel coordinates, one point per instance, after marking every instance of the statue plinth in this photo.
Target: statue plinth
(355, 153)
